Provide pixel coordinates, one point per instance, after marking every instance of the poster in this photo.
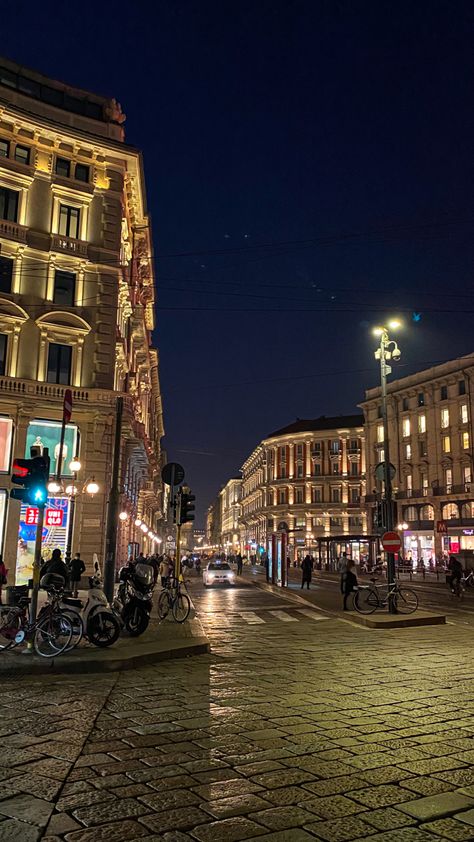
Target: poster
(56, 520)
(48, 434)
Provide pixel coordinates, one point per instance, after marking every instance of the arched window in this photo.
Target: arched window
(427, 513)
(450, 511)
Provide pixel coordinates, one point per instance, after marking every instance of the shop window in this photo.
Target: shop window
(59, 364)
(406, 427)
(69, 218)
(9, 204)
(63, 167)
(6, 274)
(64, 288)
(462, 387)
(463, 413)
(22, 154)
(443, 393)
(444, 419)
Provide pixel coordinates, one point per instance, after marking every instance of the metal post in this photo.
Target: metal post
(387, 475)
(112, 514)
(37, 566)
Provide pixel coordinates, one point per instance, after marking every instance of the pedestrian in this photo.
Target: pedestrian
(349, 582)
(3, 576)
(307, 568)
(76, 569)
(55, 566)
(239, 560)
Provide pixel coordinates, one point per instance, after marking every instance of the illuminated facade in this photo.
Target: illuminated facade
(76, 310)
(430, 433)
(230, 497)
(311, 477)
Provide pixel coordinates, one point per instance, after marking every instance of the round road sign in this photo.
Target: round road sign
(391, 542)
(172, 473)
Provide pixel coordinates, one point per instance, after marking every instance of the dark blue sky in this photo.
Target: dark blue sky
(326, 147)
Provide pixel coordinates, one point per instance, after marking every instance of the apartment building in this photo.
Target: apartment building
(230, 496)
(430, 434)
(76, 311)
(308, 479)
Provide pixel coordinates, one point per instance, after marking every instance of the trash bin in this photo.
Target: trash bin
(15, 593)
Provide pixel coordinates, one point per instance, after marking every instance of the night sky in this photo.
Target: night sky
(309, 170)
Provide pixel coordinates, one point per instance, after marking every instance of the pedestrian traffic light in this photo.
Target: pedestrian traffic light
(186, 513)
(33, 475)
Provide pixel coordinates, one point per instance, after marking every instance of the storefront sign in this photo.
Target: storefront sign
(54, 535)
(43, 434)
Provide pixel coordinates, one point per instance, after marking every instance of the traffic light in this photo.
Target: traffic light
(186, 510)
(33, 475)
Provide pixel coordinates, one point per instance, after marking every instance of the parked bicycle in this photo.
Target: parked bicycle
(172, 598)
(370, 597)
(51, 634)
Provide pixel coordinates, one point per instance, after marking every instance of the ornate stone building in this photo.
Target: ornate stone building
(77, 311)
(431, 446)
(309, 476)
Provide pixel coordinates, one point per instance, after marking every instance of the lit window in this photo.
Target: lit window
(406, 427)
(408, 451)
(467, 474)
(465, 440)
(82, 172)
(380, 436)
(446, 444)
(8, 204)
(63, 167)
(444, 419)
(422, 423)
(22, 154)
(463, 413)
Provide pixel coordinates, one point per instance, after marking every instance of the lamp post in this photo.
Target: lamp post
(387, 350)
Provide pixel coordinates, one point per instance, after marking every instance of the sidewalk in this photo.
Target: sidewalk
(162, 641)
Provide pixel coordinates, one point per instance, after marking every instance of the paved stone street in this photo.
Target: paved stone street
(297, 727)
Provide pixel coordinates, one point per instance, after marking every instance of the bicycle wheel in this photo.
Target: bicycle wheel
(163, 604)
(181, 607)
(406, 601)
(77, 628)
(52, 635)
(10, 625)
(366, 601)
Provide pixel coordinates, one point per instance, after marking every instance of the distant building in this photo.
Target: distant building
(430, 418)
(230, 497)
(309, 478)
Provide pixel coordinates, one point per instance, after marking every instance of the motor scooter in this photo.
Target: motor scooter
(95, 619)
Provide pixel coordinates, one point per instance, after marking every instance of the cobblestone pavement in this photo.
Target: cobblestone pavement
(287, 732)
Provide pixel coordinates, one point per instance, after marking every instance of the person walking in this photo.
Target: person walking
(348, 582)
(307, 569)
(3, 576)
(239, 563)
(76, 569)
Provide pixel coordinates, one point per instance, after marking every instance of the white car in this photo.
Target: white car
(218, 573)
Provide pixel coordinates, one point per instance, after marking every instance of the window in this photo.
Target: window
(463, 413)
(421, 399)
(408, 451)
(4, 148)
(299, 470)
(465, 440)
(316, 469)
(316, 495)
(63, 167)
(69, 221)
(82, 172)
(405, 404)
(380, 436)
(446, 444)
(3, 353)
(406, 427)
(462, 387)
(443, 393)
(8, 204)
(59, 364)
(354, 495)
(22, 154)
(448, 478)
(299, 495)
(467, 474)
(444, 419)
(355, 469)
(422, 423)
(6, 274)
(335, 495)
(64, 288)
(423, 449)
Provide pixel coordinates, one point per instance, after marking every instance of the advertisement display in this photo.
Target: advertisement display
(56, 517)
(6, 432)
(48, 434)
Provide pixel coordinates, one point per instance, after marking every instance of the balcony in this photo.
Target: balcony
(13, 231)
(68, 245)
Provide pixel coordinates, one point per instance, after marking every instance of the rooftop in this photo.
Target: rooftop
(307, 425)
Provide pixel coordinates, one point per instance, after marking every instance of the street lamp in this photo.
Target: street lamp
(387, 350)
